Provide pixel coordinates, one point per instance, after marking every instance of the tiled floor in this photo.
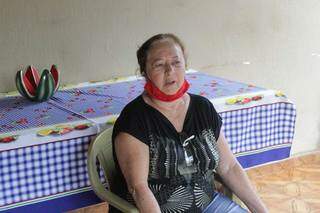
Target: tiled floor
(290, 186)
(98, 208)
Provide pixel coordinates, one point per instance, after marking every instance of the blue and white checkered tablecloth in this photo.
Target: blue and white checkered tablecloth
(261, 127)
(57, 167)
(39, 171)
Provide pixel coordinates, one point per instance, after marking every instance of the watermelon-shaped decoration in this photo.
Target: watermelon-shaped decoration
(8, 139)
(82, 126)
(35, 87)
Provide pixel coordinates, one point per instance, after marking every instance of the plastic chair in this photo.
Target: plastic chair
(100, 152)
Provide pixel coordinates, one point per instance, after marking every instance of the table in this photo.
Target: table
(43, 168)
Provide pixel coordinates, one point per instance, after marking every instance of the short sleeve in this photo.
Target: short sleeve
(216, 122)
(129, 122)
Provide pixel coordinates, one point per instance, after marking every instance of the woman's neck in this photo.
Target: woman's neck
(167, 106)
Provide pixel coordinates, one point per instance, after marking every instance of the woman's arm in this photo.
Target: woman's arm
(236, 179)
(133, 158)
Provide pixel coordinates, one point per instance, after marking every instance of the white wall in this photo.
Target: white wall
(97, 39)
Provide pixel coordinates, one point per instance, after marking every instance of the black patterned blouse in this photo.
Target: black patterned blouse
(181, 163)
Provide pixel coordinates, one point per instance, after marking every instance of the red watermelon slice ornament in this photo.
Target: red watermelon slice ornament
(35, 87)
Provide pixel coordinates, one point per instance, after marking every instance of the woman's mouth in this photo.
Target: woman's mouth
(169, 83)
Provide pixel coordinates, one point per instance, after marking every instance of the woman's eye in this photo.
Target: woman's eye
(158, 65)
(176, 63)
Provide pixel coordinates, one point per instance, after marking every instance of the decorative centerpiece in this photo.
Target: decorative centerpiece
(35, 87)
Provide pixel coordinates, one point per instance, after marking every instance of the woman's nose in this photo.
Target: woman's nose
(169, 68)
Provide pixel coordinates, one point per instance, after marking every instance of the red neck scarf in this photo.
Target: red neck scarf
(156, 93)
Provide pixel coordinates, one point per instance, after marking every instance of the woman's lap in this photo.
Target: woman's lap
(222, 204)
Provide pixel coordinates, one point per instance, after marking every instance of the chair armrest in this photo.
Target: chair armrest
(105, 194)
(118, 202)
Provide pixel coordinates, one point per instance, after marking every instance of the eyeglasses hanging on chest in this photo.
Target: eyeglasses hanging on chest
(187, 150)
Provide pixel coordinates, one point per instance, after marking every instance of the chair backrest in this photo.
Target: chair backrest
(100, 152)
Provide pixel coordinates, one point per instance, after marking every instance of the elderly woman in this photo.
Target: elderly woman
(168, 143)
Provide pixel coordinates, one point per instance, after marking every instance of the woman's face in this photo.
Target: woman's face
(165, 66)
